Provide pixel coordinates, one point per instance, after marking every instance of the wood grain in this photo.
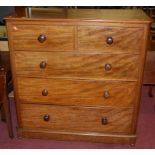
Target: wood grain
(106, 15)
(60, 64)
(76, 92)
(25, 37)
(140, 79)
(125, 40)
(86, 119)
(76, 136)
(75, 52)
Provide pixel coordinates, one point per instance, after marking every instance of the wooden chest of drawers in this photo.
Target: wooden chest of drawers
(79, 77)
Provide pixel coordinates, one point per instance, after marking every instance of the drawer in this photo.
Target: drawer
(85, 119)
(76, 92)
(49, 38)
(110, 39)
(68, 64)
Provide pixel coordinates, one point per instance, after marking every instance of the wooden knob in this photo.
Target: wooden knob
(104, 120)
(43, 65)
(42, 38)
(108, 67)
(106, 94)
(46, 117)
(109, 40)
(45, 92)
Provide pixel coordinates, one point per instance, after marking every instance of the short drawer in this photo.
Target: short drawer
(76, 92)
(110, 39)
(49, 38)
(69, 64)
(86, 119)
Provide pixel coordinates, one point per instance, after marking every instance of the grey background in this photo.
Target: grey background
(5, 10)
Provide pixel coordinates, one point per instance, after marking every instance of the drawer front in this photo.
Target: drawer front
(110, 39)
(76, 92)
(86, 119)
(49, 38)
(67, 64)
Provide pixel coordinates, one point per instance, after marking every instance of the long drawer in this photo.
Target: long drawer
(69, 64)
(110, 39)
(68, 118)
(76, 92)
(49, 38)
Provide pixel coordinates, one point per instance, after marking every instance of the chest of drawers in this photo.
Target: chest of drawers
(79, 77)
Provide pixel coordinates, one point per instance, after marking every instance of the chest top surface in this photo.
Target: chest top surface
(105, 15)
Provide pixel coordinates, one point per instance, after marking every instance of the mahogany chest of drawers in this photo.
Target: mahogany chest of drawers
(79, 76)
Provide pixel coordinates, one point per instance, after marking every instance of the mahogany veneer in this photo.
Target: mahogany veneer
(79, 76)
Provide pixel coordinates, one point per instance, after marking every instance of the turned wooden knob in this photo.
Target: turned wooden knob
(104, 120)
(109, 40)
(108, 67)
(106, 94)
(46, 117)
(45, 92)
(42, 38)
(43, 65)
